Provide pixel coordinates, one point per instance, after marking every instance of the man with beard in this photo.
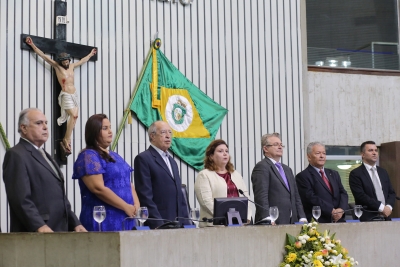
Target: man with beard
(68, 98)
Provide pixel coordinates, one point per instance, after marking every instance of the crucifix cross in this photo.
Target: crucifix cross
(56, 46)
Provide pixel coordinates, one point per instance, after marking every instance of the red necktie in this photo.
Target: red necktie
(325, 180)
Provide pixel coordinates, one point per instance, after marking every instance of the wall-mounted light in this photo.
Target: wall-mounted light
(333, 62)
(346, 63)
(344, 166)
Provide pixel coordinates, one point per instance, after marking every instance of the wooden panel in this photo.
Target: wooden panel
(389, 159)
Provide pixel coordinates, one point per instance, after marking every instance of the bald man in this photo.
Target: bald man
(157, 179)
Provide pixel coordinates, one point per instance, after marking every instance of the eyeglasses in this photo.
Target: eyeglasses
(277, 144)
(165, 132)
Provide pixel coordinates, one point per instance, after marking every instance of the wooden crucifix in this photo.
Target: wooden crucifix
(63, 79)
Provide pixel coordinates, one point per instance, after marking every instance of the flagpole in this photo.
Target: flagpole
(128, 110)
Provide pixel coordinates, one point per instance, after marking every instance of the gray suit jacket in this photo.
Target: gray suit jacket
(35, 194)
(270, 190)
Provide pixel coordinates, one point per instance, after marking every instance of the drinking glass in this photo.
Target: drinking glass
(316, 212)
(142, 214)
(273, 213)
(99, 214)
(195, 216)
(358, 211)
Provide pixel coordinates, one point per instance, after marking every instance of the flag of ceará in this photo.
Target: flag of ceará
(164, 93)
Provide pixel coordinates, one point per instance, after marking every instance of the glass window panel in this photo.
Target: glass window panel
(344, 167)
(353, 33)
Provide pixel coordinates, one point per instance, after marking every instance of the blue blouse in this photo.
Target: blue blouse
(116, 176)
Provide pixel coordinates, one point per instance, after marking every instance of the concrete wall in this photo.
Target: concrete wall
(348, 109)
(371, 244)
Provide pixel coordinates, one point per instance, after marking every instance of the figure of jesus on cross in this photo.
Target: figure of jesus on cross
(68, 98)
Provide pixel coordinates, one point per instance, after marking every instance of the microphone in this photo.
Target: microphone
(258, 205)
(260, 222)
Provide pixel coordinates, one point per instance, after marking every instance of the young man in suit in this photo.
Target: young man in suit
(157, 180)
(274, 184)
(34, 183)
(319, 186)
(370, 185)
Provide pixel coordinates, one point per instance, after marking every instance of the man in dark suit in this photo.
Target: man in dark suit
(157, 180)
(34, 183)
(274, 184)
(319, 186)
(370, 185)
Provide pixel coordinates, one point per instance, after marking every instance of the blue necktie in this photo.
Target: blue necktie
(282, 173)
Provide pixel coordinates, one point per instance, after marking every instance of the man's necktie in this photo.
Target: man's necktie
(49, 162)
(282, 173)
(167, 161)
(326, 181)
(377, 186)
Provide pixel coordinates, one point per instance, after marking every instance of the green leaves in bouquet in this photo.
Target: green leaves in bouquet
(290, 239)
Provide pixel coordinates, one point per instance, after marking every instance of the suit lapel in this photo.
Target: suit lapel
(38, 157)
(60, 175)
(160, 161)
(318, 177)
(277, 174)
(369, 180)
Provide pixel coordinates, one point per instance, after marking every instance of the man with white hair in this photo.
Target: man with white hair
(319, 186)
(34, 183)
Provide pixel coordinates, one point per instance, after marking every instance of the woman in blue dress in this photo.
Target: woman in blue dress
(104, 179)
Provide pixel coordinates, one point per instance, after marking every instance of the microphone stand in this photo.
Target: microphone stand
(379, 217)
(192, 222)
(260, 222)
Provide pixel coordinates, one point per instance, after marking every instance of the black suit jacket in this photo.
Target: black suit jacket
(35, 194)
(157, 189)
(270, 190)
(364, 192)
(314, 192)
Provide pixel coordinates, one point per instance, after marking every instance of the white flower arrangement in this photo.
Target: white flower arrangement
(312, 249)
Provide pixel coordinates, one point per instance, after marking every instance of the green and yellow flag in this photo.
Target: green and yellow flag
(164, 93)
